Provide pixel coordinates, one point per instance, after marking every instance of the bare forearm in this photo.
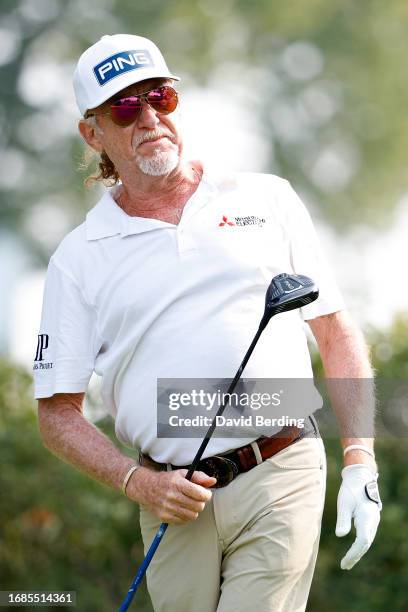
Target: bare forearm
(67, 434)
(345, 354)
(351, 388)
(350, 384)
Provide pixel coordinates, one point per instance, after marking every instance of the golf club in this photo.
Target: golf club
(286, 292)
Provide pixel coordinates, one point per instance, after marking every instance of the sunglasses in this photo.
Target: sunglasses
(125, 111)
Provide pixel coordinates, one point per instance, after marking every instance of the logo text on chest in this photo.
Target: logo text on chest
(242, 221)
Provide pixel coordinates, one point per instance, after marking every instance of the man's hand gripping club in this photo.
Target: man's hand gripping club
(169, 495)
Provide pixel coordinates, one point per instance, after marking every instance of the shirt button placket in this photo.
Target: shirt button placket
(184, 240)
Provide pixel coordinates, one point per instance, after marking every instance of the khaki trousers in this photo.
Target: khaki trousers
(254, 547)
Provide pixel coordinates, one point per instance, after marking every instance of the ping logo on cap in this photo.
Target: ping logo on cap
(117, 64)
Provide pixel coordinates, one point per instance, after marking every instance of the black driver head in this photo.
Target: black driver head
(288, 292)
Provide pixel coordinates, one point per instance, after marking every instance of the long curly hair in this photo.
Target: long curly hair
(105, 168)
(105, 171)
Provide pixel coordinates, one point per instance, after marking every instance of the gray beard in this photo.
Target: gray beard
(159, 163)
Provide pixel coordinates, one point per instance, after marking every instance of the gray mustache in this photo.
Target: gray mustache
(152, 135)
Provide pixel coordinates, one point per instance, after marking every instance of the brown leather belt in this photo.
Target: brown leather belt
(227, 466)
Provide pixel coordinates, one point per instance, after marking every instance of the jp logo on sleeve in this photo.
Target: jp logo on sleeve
(42, 346)
(122, 62)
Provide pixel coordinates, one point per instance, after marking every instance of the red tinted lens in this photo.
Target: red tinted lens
(164, 99)
(125, 111)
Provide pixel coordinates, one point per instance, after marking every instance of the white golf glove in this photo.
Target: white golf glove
(358, 498)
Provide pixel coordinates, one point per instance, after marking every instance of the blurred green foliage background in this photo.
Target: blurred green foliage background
(327, 83)
(61, 530)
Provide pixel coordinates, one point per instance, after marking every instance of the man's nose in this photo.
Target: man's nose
(148, 117)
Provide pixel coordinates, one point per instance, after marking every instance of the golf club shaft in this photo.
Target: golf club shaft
(221, 409)
(143, 567)
(162, 529)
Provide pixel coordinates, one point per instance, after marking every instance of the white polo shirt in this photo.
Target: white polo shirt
(137, 299)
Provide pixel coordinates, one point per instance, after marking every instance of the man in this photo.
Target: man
(166, 279)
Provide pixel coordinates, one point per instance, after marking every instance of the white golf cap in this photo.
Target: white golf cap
(113, 63)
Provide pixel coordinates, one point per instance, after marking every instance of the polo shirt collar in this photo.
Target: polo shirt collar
(106, 218)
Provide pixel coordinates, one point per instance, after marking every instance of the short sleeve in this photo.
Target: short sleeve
(67, 342)
(307, 256)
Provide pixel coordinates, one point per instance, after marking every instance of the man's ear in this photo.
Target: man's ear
(90, 135)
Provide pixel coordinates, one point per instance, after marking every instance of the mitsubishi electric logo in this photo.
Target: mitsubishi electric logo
(225, 222)
(122, 62)
(242, 221)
